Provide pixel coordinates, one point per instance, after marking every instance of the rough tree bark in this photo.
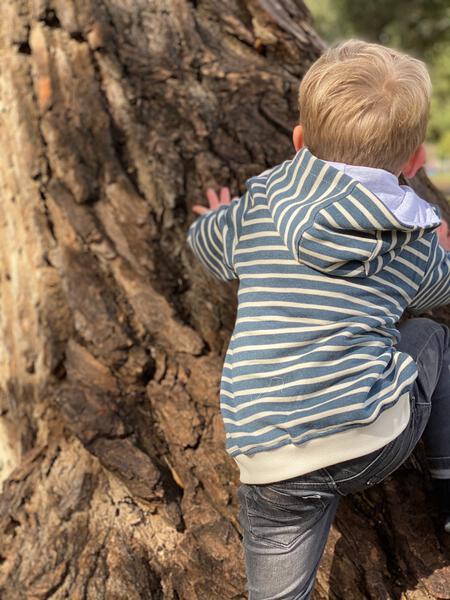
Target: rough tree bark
(115, 116)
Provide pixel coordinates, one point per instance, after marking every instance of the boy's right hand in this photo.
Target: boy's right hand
(444, 235)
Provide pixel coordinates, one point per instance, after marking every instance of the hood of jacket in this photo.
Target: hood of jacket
(333, 223)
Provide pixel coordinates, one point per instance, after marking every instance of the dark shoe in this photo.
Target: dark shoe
(447, 524)
(441, 492)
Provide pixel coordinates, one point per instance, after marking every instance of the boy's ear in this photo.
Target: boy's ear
(297, 137)
(416, 161)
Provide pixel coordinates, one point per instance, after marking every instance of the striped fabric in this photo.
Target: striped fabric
(325, 272)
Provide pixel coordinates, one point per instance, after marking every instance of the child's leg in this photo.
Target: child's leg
(285, 528)
(428, 343)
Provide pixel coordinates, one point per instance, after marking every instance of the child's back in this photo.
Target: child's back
(325, 271)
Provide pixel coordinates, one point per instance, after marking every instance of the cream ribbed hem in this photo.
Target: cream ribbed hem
(291, 460)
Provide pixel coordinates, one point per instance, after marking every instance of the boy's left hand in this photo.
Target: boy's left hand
(214, 200)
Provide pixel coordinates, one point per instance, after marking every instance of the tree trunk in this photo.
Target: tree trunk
(116, 114)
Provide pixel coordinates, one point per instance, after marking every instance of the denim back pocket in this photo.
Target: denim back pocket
(279, 516)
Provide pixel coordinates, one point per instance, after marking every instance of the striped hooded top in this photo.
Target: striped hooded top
(311, 376)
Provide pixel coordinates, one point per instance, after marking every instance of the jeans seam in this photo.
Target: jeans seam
(420, 354)
(331, 480)
(426, 343)
(247, 513)
(316, 496)
(299, 484)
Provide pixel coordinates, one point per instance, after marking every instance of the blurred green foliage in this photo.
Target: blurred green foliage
(420, 27)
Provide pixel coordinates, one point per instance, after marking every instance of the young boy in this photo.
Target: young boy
(321, 394)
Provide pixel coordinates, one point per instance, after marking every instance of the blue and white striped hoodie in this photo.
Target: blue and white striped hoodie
(311, 375)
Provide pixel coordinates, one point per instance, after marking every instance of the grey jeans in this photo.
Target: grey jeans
(286, 524)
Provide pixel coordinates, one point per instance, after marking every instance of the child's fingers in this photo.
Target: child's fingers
(213, 198)
(225, 196)
(199, 209)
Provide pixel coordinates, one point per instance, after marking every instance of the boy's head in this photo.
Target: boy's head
(365, 104)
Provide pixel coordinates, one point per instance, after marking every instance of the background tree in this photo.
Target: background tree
(421, 27)
(416, 25)
(115, 116)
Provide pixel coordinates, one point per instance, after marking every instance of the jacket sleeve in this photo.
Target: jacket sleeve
(213, 237)
(434, 290)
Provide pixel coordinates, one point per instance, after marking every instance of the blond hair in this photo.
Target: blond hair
(365, 104)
